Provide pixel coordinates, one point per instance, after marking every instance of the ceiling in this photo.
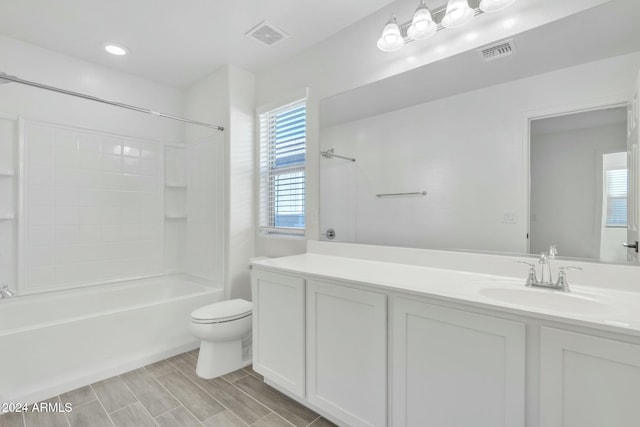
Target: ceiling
(178, 42)
(604, 31)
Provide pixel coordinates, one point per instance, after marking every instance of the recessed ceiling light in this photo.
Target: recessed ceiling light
(115, 49)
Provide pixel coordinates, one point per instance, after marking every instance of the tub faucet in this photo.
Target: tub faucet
(5, 292)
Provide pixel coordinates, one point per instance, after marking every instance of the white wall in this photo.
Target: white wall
(206, 101)
(33, 63)
(566, 188)
(240, 181)
(226, 97)
(468, 152)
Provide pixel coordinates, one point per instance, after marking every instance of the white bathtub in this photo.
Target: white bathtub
(52, 343)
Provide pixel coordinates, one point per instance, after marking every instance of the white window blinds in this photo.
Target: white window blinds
(616, 187)
(283, 139)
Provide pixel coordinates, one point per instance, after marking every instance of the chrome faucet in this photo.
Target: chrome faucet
(5, 292)
(546, 280)
(545, 261)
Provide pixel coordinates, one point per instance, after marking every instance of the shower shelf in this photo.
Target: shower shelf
(175, 217)
(176, 185)
(7, 172)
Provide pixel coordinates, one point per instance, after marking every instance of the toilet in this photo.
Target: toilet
(224, 331)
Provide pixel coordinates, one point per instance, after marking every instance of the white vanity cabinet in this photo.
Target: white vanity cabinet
(455, 368)
(588, 381)
(279, 329)
(364, 352)
(324, 344)
(347, 353)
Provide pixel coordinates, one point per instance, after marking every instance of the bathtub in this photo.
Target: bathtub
(56, 342)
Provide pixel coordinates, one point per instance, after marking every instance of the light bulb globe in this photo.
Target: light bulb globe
(422, 26)
(458, 14)
(391, 38)
(495, 5)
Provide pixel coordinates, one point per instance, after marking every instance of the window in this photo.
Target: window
(616, 194)
(283, 140)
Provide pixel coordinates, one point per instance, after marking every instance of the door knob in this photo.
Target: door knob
(631, 245)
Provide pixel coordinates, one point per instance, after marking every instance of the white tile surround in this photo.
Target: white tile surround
(92, 210)
(7, 208)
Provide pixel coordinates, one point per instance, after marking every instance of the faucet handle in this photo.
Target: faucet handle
(532, 265)
(569, 267)
(531, 278)
(562, 283)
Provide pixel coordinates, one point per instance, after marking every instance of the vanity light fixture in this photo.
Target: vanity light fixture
(423, 25)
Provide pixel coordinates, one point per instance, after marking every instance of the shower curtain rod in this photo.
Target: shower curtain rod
(5, 78)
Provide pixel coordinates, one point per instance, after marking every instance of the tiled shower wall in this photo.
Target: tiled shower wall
(92, 209)
(175, 207)
(7, 202)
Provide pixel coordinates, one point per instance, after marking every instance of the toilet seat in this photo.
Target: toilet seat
(220, 312)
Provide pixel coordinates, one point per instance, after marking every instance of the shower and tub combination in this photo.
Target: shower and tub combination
(59, 341)
(111, 240)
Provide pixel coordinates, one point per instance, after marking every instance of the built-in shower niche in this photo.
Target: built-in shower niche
(7, 202)
(175, 208)
(194, 208)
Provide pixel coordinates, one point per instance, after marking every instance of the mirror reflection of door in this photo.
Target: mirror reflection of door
(633, 161)
(579, 187)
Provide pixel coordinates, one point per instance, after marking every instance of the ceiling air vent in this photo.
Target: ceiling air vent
(266, 33)
(498, 50)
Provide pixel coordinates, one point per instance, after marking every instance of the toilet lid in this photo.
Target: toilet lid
(222, 311)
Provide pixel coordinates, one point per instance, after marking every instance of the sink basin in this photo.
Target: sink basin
(549, 300)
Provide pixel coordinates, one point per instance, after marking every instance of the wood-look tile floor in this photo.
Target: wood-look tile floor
(170, 394)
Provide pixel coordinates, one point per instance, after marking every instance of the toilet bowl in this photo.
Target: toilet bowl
(222, 327)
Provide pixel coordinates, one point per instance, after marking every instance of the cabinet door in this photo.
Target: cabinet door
(278, 329)
(587, 381)
(456, 369)
(347, 353)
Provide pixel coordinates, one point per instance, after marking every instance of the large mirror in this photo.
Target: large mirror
(510, 155)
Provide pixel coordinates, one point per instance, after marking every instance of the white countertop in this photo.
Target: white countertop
(611, 310)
